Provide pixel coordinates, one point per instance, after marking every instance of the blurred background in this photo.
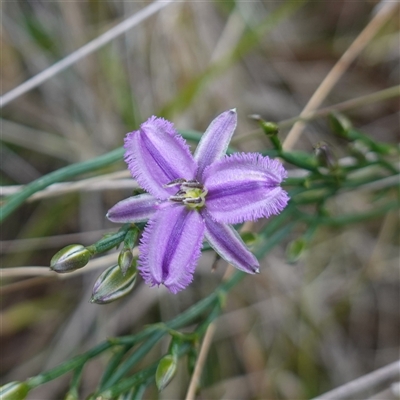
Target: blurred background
(293, 332)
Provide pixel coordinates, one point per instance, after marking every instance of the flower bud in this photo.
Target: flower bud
(271, 129)
(165, 371)
(340, 124)
(249, 238)
(112, 284)
(324, 155)
(70, 258)
(295, 249)
(125, 260)
(14, 391)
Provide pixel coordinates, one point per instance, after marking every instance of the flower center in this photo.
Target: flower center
(191, 193)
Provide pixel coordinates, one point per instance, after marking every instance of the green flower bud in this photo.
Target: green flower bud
(324, 155)
(249, 238)
(113, 285)
(70, 258)
(71, 395)
(271, 129)
(14, 391)
(340, 124)
(295, 249)
(125, 260)
(165, 371)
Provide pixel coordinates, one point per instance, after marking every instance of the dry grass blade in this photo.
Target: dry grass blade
(364, 383)
(83, 51)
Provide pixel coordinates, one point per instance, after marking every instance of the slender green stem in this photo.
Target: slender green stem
(123, 385)
(113, 364)
(67, 366)
(15, 200)
(381, 95)
(126, 384)
(134, 358)
(384, 94)
(110, 241)
(350, 218)
(73, 392)
(262, 249)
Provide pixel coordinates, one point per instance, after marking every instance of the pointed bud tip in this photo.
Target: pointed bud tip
(233, 110)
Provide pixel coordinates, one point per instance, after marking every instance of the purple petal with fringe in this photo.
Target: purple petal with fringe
(215, 140)
(133, 209)
(170, 247)
(156, 155)
(244, 187)
(229, 245)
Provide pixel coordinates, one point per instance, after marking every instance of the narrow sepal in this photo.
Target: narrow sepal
(244, 187)
(133, 209)
(156, 155)
(215, 141)
(170, 247)
(229, 245)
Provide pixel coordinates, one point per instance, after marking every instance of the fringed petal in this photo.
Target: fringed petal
(156, 155)
(229, 245)
(170, 247)
(133, 209)
(244, 187)
(215, 140)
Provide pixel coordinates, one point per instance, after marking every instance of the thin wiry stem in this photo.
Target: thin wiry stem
(363, 383)
(367, 99)
(85, 50)
(385, 12)
(384, 94)
(194, 381)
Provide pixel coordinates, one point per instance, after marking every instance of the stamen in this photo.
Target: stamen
(191, 192)
(178, 199)
(175, 182)
(191, 200)
(192, 185)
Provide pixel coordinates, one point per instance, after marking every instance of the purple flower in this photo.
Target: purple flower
(194, 197)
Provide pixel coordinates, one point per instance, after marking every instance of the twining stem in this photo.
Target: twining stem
(350, 218)
(76, 379)
(381, 95)
(15, 200)
(113, 364)
(70, 365)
